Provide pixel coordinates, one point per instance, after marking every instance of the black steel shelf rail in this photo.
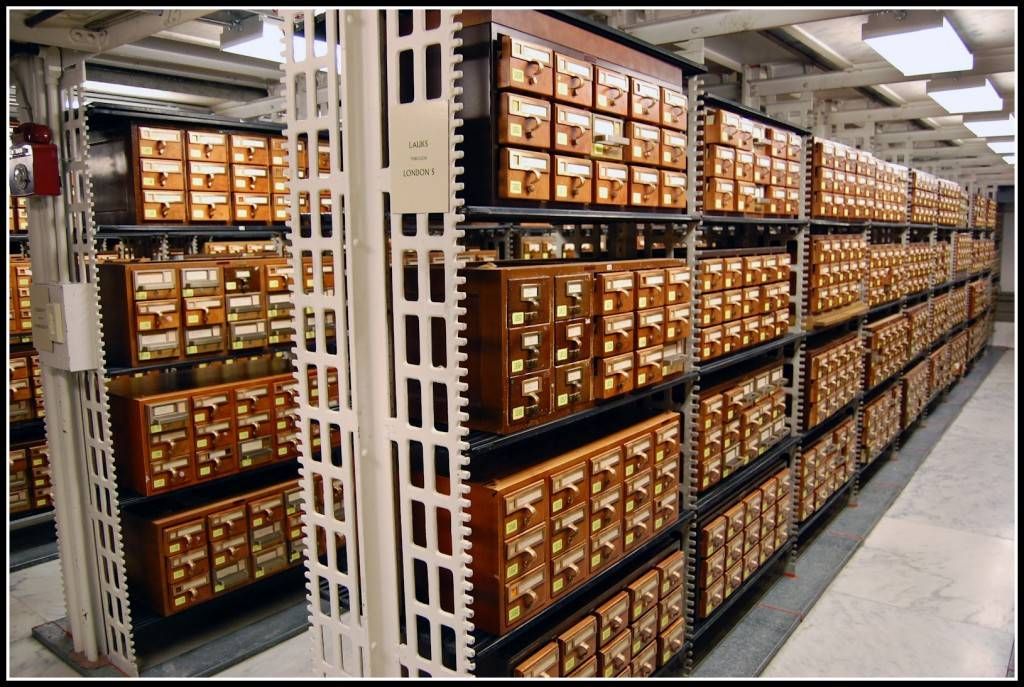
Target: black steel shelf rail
(569, 215)
(481, 443)
(884, 308)
(186, 364)
(26, 430)
(495, 655)
(760, 221)
(30, 518)
(703, 625)
(745, 354)
(817, 515)
(725, 493)
(817, 431)
(189, 118)
(201, 493)
(130, 231)
(738, 108)
(880, 388)
(866, 470)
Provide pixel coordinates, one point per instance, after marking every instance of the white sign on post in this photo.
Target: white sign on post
(419, 157)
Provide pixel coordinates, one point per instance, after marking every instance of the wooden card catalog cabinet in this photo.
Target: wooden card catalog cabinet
(250, 149)
(644, 101)
(611, 91)
(162, 174)
(163, 206)
(611, 183)
(644, 144)
(252, 207)
(573, 179)
(206, 146)
(210, 207)
(643, 186)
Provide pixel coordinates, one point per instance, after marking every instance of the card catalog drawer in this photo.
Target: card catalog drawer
(605, 547)
(159, 143)
(573, 130)
(644, 143)
(524, 121)
(207, 146)
(158, 345)
(673, 189)
(614, 376)
(643, 186)
(525, 597)
(611, 91)
(525, 66)
(544, 663)
(573, 180)
(162, 174)
(613, 658)
(529, 301)
(252, 207)
(609, 138)
(615, 292)
(524, 174)
(569, 570)
(578, 644)
(529, 397)
(673, 109)
(242, 335)
(163, 206)
(573, 385)
(638, 455)
(605, 508)
(216, 463)
(155, 315)
(720, 195)
(272, 560)
(615, 334)
(250, 179)
(203, 311)
(606, 469)
(611, 182)
(574, 80)
(637, 528)
(171, 473)
(250, 149)
(647, 365)
(244, 307)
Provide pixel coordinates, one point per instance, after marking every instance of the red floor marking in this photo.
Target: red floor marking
(788, 611)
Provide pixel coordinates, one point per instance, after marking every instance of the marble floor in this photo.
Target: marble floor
(931, 593)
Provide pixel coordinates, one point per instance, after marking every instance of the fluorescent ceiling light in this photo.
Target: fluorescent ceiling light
(1010, 159)
(1003, 148)
(988, 125)
(917, 43)
(965, 95)
(264, 39)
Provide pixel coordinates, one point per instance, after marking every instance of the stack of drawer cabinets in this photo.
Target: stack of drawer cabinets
(738, 421)
(888, 347)
(979, 297)
(31, 485)
(919, 259)
(750, 168)
(20, 313)
(885, 279)
(548, 340)
(924, 197)
(25, 387)
(825, 466)
(575, 130)
(155, 173)
(182, 559)
(744, 302)
(958, 347)
(215, 422)
(882, 421)
(839, 265)
(940, 373)
(919, 323)
(977, 333)
(854, 184)
(165, 311)
(835, 374)
(636, 631)
(915, 392)
(734, 545)
(542, 531)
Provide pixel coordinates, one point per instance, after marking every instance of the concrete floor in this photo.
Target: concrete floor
(930, 593)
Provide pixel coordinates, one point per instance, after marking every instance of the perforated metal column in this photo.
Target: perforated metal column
(389, 593)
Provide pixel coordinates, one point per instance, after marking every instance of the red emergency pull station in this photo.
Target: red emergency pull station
(34, 169)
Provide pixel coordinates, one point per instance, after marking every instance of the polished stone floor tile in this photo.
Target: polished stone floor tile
(41, 589)
(948, 573)
(847, 636)
(29, 658)
(291, 658)
(23, 619)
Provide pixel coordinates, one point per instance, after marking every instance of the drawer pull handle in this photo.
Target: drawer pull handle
(533, 70)
(641, 494)
(646, 634)
(615, 623)
(193, 592)
(530, 512)
(529, 554)
(161, 147)
(230, 550)
(577, 133)
(646, 103)
(675, 644)
(575, 83)
(180, 474)
(612, 98)
(532, 179)
(207, 151)
(648, 145)
(250, 153)
(162, 178)
(619, 660)
(578, 182)
(529, 599)
(165, 209)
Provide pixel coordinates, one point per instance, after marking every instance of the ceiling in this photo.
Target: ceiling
(768, 58)
(762, 58)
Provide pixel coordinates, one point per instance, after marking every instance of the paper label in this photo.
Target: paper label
(419, 148)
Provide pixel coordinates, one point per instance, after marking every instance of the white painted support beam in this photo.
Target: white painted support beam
(93, 42)
(874, 74)
(174, 53)
(952, 152)
(916, 110)
(254, 108)
(946, 133)
(719, 23)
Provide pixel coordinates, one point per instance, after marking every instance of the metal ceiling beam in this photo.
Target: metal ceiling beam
(916, 110)
(173, 84)
(946, 133)
(720, 23)
(172, 53)
(92, 42)
(256, 108)
(873, 74)
(153, 67)
(697, 51)
(965, 151)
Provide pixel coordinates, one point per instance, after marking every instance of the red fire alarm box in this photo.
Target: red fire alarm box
(34, 169)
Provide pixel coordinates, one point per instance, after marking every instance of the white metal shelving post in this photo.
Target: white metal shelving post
(390, 78)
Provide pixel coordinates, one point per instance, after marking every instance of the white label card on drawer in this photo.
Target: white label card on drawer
(420, 149)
